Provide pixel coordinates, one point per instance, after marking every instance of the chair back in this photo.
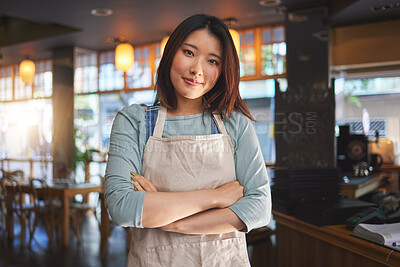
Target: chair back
(2, 205)
(12, 195)
(17, 174)
(43, 200)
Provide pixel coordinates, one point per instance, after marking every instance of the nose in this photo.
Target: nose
(196, 68)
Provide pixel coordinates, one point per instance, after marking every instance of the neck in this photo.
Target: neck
(187, 107)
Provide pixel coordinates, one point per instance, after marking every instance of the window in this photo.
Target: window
(140, 74)
(26, 128)
(140, 77)
(371, 86)
(109, 77)
(379, 97)
(156, 62)
(263, 53)
(12, 88)
(259, 96)
(85, 77)
(247, 53)
(273, 51)
(6, 87)
(43, 81)
(21, 91)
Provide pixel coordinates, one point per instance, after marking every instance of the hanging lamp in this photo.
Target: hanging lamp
(124, 58)
(236, 39)
(163, 44)
(27, 71)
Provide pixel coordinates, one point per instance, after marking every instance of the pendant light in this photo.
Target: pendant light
(236, 39)
(229, 22)
(27, 71)
(124, 58)
(163, 44)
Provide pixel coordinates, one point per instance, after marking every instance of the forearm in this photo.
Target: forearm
(215, 221)
(162, 208)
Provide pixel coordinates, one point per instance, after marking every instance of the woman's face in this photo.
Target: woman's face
(196, 65)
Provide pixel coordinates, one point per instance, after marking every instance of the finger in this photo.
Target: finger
(150, 184)
(146, 184)
(138, 186)
(141, 181)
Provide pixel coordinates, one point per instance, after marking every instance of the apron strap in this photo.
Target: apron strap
(158, 129)
(162, 114)
(220, 123)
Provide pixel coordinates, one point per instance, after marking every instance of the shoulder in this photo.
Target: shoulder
(238, 126)
(133, 115)
(133, 112)
(239, 121)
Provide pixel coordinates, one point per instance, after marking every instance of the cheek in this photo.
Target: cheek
(179, 63)
(214, 75)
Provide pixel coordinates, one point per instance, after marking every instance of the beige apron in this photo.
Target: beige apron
(184, 163)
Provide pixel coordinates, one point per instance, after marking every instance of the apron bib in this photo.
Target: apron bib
(185, 163)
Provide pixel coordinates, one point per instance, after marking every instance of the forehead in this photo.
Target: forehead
(205, 40)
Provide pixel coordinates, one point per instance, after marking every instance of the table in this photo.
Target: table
(65, 192)
(303, 244)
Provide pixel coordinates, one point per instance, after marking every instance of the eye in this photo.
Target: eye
(214, 62)
(188, 52)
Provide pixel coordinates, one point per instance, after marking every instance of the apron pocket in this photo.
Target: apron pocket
(228, 252)
(182, 255)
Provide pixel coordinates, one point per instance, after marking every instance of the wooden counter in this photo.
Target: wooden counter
(303, 244)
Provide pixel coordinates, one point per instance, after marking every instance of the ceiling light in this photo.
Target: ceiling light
(163, 44)
(27, 71)
(124, 58)
(294, 17)
(236, 39)
(270, 3)
(234, 33)
(101, 12)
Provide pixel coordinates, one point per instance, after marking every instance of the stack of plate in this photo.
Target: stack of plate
(293, 187)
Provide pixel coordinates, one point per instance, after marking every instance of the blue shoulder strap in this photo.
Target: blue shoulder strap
(214, 127)
(151, 118)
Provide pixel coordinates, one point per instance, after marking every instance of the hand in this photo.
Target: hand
(229, 193)
(142, 184)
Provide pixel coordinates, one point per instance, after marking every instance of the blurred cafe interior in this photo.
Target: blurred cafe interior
(321, 78)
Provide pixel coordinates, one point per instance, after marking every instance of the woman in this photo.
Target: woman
(204, 180)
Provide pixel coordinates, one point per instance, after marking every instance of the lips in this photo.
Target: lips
(192, 82)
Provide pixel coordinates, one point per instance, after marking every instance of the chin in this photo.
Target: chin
(192, 97)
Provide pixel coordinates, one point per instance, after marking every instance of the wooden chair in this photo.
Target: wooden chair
(2, 211)
(78, 210)
(16, 206)
(17, 174)
(44, 208)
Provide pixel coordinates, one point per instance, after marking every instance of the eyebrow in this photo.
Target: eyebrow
(195, 47)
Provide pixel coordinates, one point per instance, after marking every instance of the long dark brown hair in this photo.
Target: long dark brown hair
(224, 97)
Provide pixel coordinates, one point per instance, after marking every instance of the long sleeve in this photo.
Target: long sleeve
(125, 154)
(128, 140)
(254, 209)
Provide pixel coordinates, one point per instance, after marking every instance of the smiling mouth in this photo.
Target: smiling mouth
(192, 82)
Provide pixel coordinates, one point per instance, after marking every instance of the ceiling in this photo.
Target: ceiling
(34, 27)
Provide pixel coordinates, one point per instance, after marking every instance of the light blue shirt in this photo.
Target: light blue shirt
(128, 140)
